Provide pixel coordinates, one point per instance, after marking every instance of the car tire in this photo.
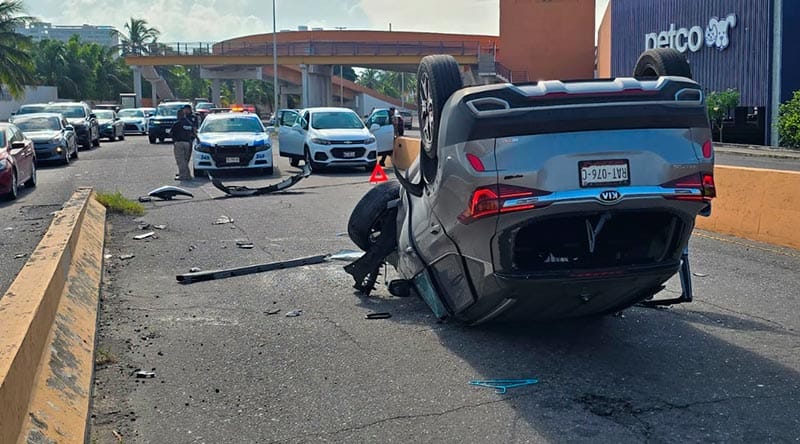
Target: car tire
(121, 136)
(31, 182)
(14, 191)
(294, 161)
(313, 166)
(662, 62)
(96, 142)
(87, 146)
(66, 159)
(152, 140)
(438, 77)
(370, 167)
(369, 211)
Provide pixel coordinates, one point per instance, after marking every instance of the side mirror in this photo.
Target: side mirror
(17, 145)
(374, 127)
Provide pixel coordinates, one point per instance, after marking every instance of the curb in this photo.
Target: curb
(756, 151)
(47, 329)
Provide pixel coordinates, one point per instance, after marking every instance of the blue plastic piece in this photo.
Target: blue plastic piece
(501, 385)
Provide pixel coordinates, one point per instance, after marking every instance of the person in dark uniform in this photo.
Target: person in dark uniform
(183, 132)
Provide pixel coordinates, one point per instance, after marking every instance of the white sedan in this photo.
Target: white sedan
(323, 137)
(231, 141)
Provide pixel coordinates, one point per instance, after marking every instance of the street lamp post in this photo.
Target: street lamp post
(274, 63)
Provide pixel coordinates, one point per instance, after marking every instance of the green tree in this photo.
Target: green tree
(16, 65)
(369, 78)
(789, 122)
(393, 84)
(720, 104)
(138, 37)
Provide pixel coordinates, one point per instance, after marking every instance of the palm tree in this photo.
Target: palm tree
(139, 37)
(16, 65)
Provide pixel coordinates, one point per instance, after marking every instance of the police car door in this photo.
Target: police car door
(381, 127)
(290, 136)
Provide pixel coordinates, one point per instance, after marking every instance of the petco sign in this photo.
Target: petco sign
(714, 36)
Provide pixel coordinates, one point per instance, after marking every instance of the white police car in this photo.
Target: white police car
(231, 141)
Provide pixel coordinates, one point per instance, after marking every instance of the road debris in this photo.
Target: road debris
(125, 257)
(244, 244)
(117, 435)
(501, 385)
(169, 192)
(143, 374)
(700, 275)
(160, 227)
(222, 220)
(273, 311)
(144, 226)
(194, 270)
(241, 191)
(294, 313)
(145, 199)
(145, 236)
(347, 255)
(191, 278)
(20, 256)
(378, 316)
(108, 256)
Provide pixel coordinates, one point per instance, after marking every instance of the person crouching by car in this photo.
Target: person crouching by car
(183, 131)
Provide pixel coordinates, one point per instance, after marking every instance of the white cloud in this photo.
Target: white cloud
(457, 16)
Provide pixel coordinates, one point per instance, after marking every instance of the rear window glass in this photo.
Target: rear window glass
(67, 111)
(32, 124)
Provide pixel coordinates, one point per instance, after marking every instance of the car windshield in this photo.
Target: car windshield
(335, 120)
(232, 125)
(204, 106)
(104, 114)
(32, 124)
(30, 109)
(68, 111)
(131, 113)
(170, 110)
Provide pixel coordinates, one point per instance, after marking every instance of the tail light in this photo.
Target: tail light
(496, 199)
(708, 149)
(701, 181)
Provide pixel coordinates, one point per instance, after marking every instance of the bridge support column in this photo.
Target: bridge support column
(137, 84)
(316, 88)
(238, 86)
(216, 93)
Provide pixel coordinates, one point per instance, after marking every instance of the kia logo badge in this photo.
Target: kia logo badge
(609, 196)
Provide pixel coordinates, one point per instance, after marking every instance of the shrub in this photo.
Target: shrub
(789, 122)
(117, 203)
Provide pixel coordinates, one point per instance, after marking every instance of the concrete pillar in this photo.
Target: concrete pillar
(316, 90)
(154, 93)
(137, 84)
(304, 88)
(238, 87)
(216, 94)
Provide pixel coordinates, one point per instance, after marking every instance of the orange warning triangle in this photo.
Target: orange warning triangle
(378, 175)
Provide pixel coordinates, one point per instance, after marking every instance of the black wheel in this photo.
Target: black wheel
(438, 78)
(13, 192)
(662, 62)
(31, 183)
(294, 161)
(370, 167)
(96, 142)
(111, 139)
(152, 139)
(200, 174)
(364, 226)
(87, 145)
(314, 166)
(121, 136)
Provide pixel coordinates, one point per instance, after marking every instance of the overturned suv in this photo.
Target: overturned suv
(544, 200)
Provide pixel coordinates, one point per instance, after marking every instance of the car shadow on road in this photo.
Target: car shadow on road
(649, 374)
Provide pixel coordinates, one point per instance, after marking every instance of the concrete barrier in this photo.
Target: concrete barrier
(752, 203)
(47, 329)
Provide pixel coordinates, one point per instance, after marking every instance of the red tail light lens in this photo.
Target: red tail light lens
(493, 200)
(701, 181)
(708, 149)
(476, 163)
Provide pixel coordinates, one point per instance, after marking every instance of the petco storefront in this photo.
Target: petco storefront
(752, 46)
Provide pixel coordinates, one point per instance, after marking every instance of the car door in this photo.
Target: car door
(290, 134)
(381, 127)
(69, 135)
(22, 151)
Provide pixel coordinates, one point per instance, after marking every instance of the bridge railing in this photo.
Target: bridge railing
(320, 48)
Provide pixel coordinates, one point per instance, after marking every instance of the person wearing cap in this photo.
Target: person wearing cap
(183, 131)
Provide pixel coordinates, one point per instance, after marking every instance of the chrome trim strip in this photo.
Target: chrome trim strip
(472, 104)
(504, 112)
(499, 309)
(593, 195)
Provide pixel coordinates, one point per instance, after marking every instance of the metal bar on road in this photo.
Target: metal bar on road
(190, 278)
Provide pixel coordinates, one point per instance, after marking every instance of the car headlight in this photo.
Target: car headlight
(371, 140)
(320, 141)
(204, 147)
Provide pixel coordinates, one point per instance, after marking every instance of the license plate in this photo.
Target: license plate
(595, 173)
(231, 160)
(349, 154)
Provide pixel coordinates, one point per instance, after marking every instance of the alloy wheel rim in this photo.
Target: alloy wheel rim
(426, 108)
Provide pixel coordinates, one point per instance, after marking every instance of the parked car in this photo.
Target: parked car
(159, 125)
(134, 120)
(202, 109)
(407, 117)
(111, 127)
(326, 137)
(17, 161)
(80, 116)
(227, 141)
(546, 200)
(28, 109)
(380, 125)
(53, 137)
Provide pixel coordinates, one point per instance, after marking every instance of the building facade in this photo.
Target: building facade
(102, 35)
(747, 45)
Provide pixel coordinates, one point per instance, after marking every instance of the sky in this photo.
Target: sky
(213, 20)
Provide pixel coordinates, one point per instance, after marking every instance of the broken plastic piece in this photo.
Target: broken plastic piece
(502, 385)
(168, 192)
(159, 227)
(125, 257)
(245, 244)
(194, 270)
(145, 236)
(378, 316)
(273, 311)
(347, 255)
(240, 191)
(248, 269)
(145, 199)
(20, 256)
(145, 374)
(294, 313)
(223, 220)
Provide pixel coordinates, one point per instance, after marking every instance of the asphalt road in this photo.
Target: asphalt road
(724, 368)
